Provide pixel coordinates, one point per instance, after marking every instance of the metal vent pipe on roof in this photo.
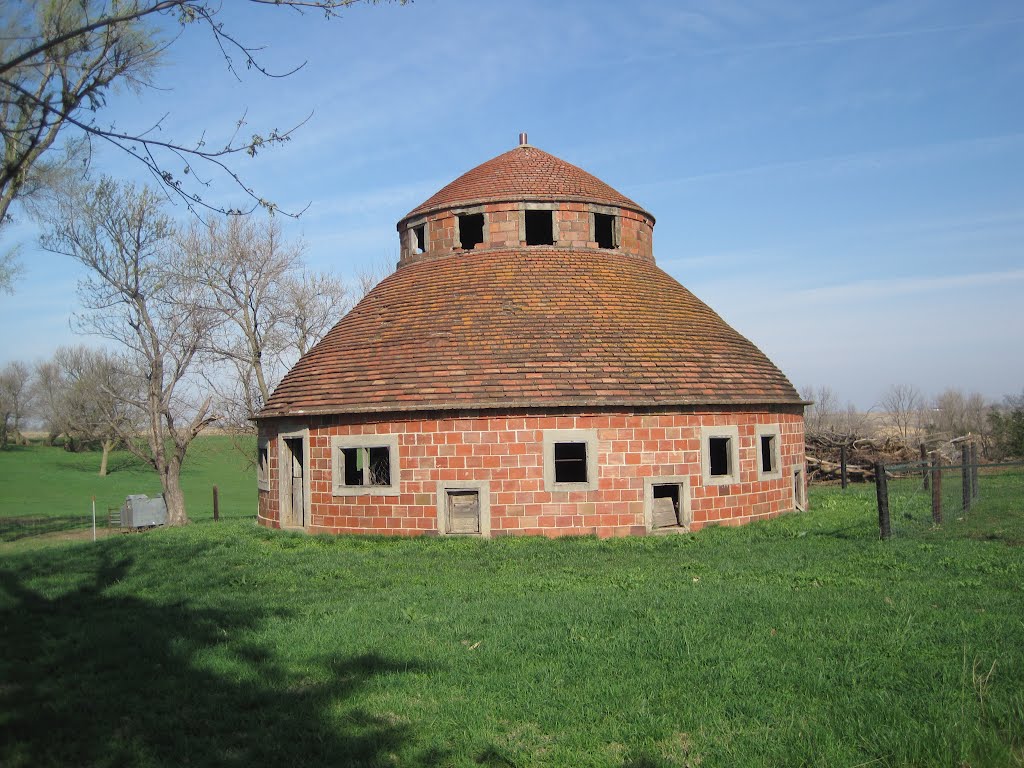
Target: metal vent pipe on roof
(522, 139)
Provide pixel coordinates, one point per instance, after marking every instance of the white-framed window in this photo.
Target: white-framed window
(720, 455)
(464, 508)
(364, 464)
(667, 503)
(570, 460)
(769, 451)
(263, 464)
(799, 488)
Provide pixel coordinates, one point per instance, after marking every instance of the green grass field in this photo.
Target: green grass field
(801, 641)
(47, 489)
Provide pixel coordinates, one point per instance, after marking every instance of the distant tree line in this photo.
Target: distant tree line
(906, 413)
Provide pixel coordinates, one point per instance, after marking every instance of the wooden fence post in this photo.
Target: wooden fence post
(924, 468)
(882, 492)
(842, 465)
(974, 471)
(216, 503)
(965, 475)
(937, 489)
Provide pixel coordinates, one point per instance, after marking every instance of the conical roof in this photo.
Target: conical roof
(529, 327)
(524, 173)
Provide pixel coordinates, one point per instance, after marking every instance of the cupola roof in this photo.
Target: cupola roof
(524, 173)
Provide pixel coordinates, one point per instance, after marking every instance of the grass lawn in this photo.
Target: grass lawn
(801, 641)
(44, 488)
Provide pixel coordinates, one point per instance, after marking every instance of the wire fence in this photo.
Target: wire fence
(919, 496)
(68, 527)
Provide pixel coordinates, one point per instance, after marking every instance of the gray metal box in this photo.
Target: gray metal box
(140, 511)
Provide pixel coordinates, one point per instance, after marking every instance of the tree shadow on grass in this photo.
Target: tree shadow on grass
(94, 678)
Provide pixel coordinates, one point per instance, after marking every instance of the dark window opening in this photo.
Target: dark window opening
(539, 229)
(366, 466)
(767, 453)
(379, 466)
(421, 238)
(353, 465)
(666, 505)
(718, 454)
(471, 229)
(604, 230)
(263, 464)
(570, 462)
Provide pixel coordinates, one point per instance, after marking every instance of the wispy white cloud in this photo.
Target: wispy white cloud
(889, 288)
(855, 162)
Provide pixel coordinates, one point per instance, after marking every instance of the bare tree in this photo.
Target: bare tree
(821, 415)
(268, 304)
(135, 296)
(56, 66)
(955, 413)
(60, 60)
(10, 269)
(826, 417)
(368, 276)
(15, 399)
(902, 405)
(312, 302)
(87, 395)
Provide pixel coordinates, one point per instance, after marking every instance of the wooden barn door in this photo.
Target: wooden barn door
(463, 511)
(297, 462)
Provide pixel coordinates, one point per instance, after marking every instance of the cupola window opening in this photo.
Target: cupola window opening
(540, 228)
(420, 238)
(604, 230)
(471, 230)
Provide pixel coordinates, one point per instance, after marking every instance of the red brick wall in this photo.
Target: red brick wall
(507, 452)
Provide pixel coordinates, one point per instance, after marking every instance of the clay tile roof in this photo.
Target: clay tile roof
(533, 327)
(524, 173)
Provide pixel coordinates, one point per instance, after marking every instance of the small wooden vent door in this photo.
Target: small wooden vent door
(666, 506)
(463, 512)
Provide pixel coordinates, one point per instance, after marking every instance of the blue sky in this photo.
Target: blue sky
(842, 181)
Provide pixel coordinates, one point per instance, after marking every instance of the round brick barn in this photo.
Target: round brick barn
(528, 369)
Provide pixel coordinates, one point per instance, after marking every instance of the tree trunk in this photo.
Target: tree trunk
(174, 497)
(107, 447)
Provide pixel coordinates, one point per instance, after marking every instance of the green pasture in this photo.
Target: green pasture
(802, 641)
(44, 488)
